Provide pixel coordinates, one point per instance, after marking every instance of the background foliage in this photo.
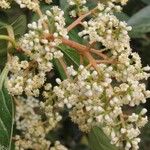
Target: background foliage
(136, 14)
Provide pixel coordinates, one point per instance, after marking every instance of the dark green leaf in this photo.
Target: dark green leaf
(6, 114)
(16, 18)
(140, 22)
(64, 5)
(19, 25)
(122, 16)
(139, 31)
(72, 57)
(99, 141)
(3, 49)
(59, 68)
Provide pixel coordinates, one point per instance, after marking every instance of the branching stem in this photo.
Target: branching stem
(83, 50)
(78, 21)
(7, 38)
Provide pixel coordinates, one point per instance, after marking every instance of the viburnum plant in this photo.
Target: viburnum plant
(97, 84)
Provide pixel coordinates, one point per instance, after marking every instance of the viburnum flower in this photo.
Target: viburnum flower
(96, 93)
(4, 4)
(94, 100)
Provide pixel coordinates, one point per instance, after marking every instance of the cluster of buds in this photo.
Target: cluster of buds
(29, 76)
(4, 4)
(93, 99)
(30, 4)
(33, 128)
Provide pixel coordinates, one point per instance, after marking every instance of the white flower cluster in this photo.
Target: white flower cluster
(77, 2)
(108, 30)
(30, 4)
(47, 106)
(58, 146)
(130, 69)
(122, 2)
(79, 7)
(22, 79)
(94, 100)
(57, 15)
(33, 128)
(29, 76)
(83, 2)
(4, 4)
(29, 122)
(38, 48)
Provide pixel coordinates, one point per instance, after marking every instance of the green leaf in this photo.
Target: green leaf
(71, 56)
(6, 114)
(140, 22)
(19, 25)
(15, 19)
(99, 141)
(64, 5)
(122, 16)
(3, 49)
(60, 69)
(146, 1)
(139, 31)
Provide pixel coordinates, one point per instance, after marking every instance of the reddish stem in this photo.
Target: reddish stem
(99, 53)
(78, 21)
(83, 50)
(109, 61)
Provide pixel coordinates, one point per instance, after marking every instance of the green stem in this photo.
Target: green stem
(3, 76)
(7, 38)
(10, 34)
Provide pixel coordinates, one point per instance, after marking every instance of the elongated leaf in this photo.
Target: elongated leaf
(60, 69)
(3, 49)
(72, 57)
(64, 5)
(6, 115)
(99, 141)
(122, 16)
(19, 25)
(11, 19)
(140, 22)
(16, 18)
(141, 17)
